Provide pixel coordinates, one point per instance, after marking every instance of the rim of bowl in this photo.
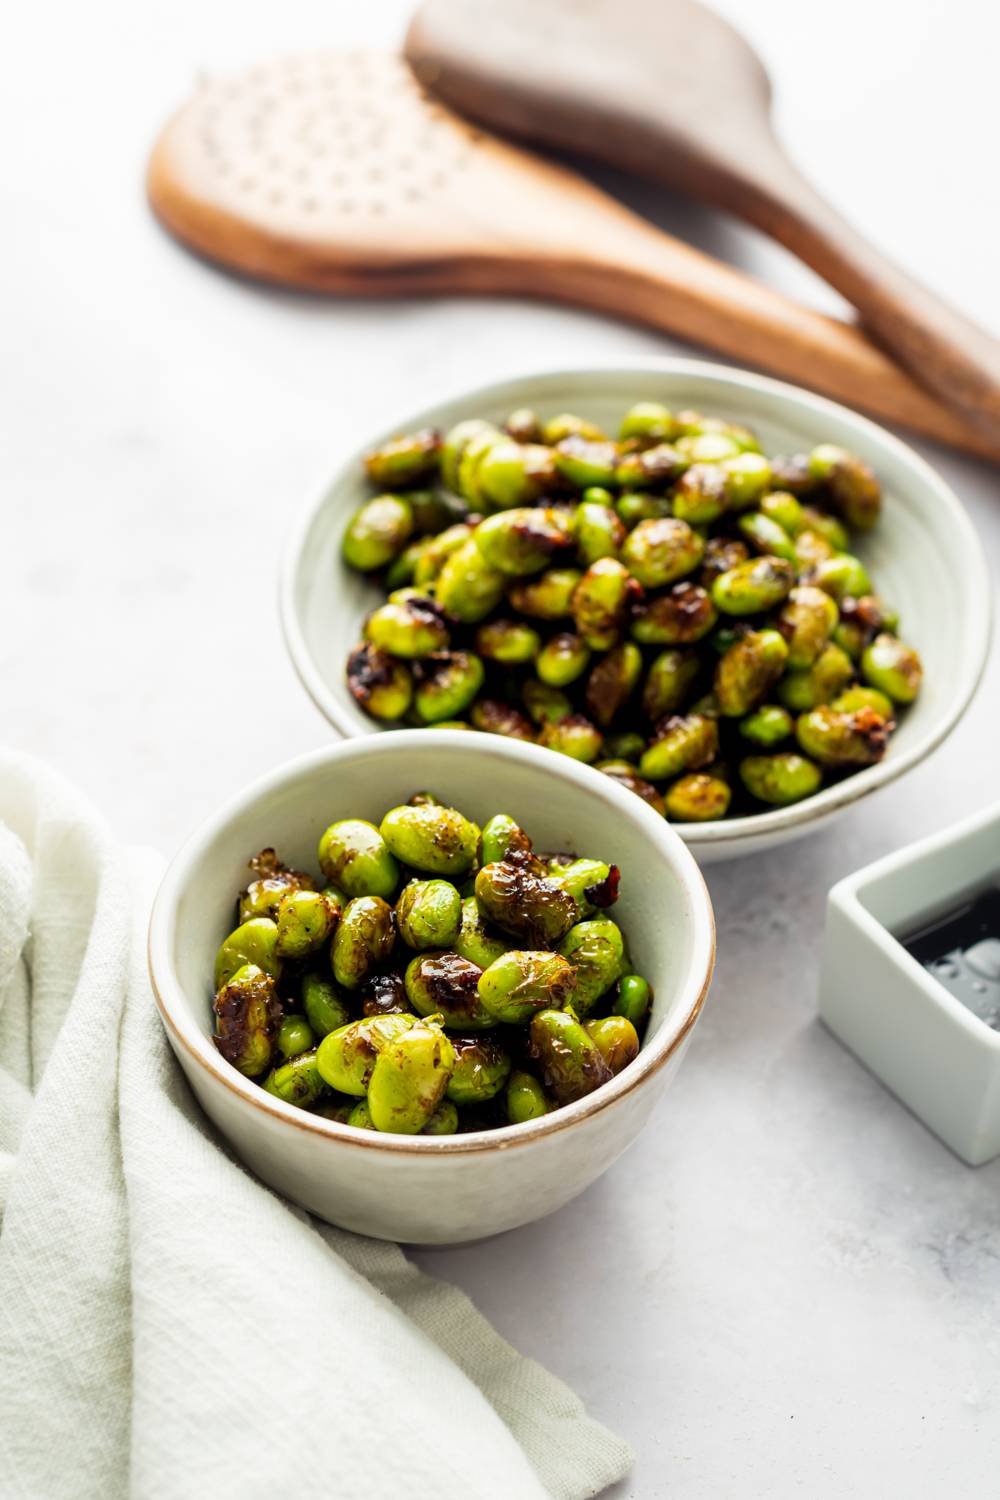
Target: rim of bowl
(775, 820)
(169, 993)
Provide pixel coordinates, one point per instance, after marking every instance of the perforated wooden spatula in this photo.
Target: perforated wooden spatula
(667, 89)
(334, 172)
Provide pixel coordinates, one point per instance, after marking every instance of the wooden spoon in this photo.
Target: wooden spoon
(667, 89)
(334, 172)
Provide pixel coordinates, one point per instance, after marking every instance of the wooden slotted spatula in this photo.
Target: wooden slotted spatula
(668, 90)
(334, 172)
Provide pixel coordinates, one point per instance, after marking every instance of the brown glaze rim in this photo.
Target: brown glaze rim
(506, 1136)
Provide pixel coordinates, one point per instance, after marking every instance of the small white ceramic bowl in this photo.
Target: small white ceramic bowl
(434, 1190)
(924, 555)
(935, 1054)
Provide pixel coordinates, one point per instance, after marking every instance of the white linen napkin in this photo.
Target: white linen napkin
(170, 1328)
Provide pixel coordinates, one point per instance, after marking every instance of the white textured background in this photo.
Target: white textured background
(788, 1287)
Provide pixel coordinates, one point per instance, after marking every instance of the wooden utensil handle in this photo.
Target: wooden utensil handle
(944, 350)
(645, 278)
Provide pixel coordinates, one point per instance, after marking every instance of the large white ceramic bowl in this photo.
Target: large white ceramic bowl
(924, 555)
(434, 1190)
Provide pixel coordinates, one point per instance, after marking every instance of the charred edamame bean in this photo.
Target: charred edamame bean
(447, 985)
(408, 625)
(428, 914)
(892, 667)
(247, 1018)
(574, 736)
(435, 839)
(481, 1068)
(570, 1062)
(522, 981)
(304, 921)
(698, 797)
(519, 542)
(595, 950)
(523, 901)
(477, 940)
(748, 670)
(446, 683)
(661, 552)
(616, 1039)
(355, 857)
(409, 1078)
(345, 1058)
(835, 738)
(405, 460)
(681, 742)
(364, 938)
(378, 683)
(253, 942)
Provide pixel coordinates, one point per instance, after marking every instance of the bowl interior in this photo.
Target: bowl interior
(664, 908)
(924, 555)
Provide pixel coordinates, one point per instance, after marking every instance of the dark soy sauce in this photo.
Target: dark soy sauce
(962, 951)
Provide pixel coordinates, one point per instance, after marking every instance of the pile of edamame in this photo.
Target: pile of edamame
(670, 605)
(445, 978)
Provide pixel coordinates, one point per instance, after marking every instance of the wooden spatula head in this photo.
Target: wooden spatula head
(634, 82)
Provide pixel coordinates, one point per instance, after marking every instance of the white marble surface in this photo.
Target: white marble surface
(789, 1287)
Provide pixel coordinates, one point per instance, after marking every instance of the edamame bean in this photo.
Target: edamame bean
(521, 981)
(378, 683)
(524, 902)
(447, 985)
(748, 671)
(616, 1040)
(446, 684)
(570, 1063)
(325, 1009)
(477, 940)
(698, 797)
(297, 1081)
(892, 667)
(635, 996)
(780, 779)
(254, 942)
(525, 1098)
(680, 743)
(378, 532)
(661, 552)
(304, 921)
(295, 1035)
(837, 739)
(438, 840)
(409, 1078)
(345, 1059)
(405, 460)
(482, 1067)
(247, 1018)
(409, 625)
(364, 939)
(428, 914)
(596, 951)
(354, 856)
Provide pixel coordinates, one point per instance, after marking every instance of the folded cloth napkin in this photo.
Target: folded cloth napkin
(168, 1326)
